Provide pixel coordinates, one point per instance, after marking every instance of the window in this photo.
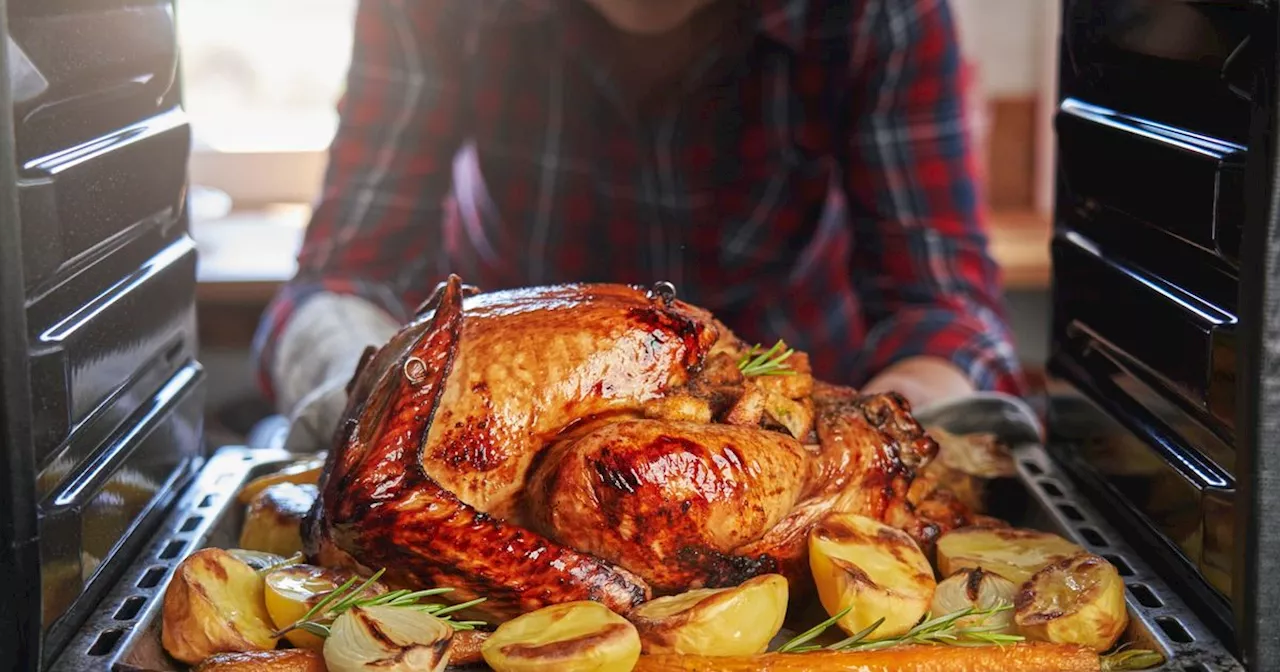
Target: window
(261, 80)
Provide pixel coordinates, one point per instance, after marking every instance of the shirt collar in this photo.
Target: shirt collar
(781, 20)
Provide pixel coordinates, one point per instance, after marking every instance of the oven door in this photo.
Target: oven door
(103, 396)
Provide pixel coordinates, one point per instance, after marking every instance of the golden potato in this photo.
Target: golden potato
(978, 589)
(568, 637)
(273, 522)
(1013, 553)
(304, 472)
(714, 621)
(291, 591)
(277, 660)
(214, 604)
(387, 639)
(875, 570)
(1079, 600)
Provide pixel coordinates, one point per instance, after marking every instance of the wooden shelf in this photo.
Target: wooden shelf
(1020, 244)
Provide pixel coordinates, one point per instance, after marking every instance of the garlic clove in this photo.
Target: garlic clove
(387, 639)
(975, 588)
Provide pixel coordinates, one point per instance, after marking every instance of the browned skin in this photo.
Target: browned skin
(592, 442)
(669, 499)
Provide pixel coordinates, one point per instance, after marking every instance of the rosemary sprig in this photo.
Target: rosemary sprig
(321, 615)
(940, 630)
(944, 630)
(771, 362)
(797, 644)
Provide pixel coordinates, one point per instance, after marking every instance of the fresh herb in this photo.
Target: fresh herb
(1133, 659)
(940, 630)
(945, 630)
(771, 362)
(797, 644)
(320, 617)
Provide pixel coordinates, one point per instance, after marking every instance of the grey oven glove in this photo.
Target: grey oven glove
(316, 357)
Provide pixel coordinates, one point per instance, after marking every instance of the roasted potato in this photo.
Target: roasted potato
(292, 590)
(304, 472)
(1013, 553)
(568, 637)
(214, 604)
(975, 588)
(273, 522)
(277, 660)
(714, 621)
(1078, 600)
(875, 570)
(387, 639)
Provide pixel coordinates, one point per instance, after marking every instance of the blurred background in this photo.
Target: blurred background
(262, 78)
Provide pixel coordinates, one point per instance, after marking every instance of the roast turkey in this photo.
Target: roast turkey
(601, 442)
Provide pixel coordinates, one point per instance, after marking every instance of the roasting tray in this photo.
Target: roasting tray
(124, 633)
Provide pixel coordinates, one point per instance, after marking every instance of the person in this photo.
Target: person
(801, 168)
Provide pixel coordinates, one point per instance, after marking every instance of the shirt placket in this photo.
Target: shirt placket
(660, 198)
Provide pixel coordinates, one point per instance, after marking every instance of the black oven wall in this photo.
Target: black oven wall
(99, 265)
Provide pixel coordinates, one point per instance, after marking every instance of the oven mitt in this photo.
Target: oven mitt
(316, 358)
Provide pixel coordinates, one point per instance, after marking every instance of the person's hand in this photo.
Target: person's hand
(314, 420)
(922, 380)
(318, 355)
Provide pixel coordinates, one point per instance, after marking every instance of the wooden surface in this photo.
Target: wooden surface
(245, 257)
(1020, 244)
(1010, 153)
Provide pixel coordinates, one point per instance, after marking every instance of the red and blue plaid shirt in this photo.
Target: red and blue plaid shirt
(816, 183)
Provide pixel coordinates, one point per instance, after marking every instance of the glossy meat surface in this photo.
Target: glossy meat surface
(599, 442)
(669, 499)
(533, 362)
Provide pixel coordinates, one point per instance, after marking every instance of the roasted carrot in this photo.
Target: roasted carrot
(1023, 657)
(465, 647)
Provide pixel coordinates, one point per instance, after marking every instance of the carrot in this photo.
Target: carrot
(465, 647)
(1023, 657)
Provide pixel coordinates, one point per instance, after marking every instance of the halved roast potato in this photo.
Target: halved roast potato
(714, 621)
(1013, 553)
(874, 570)
(1079, 600)
(214, 604)
(568, 637)
(273, 521)
(303, 472)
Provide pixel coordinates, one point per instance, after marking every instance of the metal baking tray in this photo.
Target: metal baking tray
(123, 634)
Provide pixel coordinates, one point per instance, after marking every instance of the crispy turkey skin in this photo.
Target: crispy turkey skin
(599, 442)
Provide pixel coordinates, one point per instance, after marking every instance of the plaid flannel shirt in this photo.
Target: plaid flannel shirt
(817, 185)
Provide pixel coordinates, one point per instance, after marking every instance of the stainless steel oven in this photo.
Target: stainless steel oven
(1162, 448)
